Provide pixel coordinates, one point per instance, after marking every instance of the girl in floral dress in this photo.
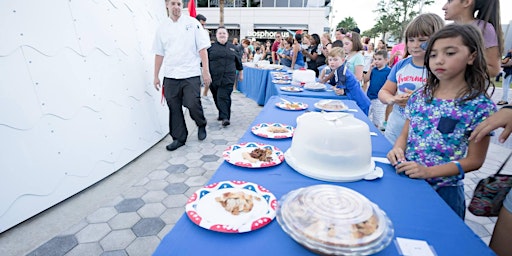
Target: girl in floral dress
(441, 115)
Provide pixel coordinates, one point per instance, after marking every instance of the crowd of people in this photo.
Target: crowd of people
(430, 93)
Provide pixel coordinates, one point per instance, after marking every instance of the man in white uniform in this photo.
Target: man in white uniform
(181, 46)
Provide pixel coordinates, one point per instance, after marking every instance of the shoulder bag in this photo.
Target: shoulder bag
(490, 192)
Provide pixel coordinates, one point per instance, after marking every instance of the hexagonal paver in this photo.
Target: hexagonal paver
(175, 201)
(117, 240)
(196, 171)
(140, 246)
(156, 185)
(172, 215)
(220, 142)
(177, 168)
(85, 249)
(115, 253)
(196, 181)
(194, 163)
(58, 245)
(194, 156)
(148, 227)
(129, 205)
(124, 220)
(135, 192)
(102, 215)
(210, 158)
(151, 210)
(176, 188)
(154, 196)
(93, 233)
(158, 175)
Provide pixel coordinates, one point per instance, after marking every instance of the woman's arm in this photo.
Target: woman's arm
(387, 92)
(358, 72)
(296, 49)
(397, 153)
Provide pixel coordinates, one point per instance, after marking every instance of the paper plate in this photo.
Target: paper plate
(292, 105)
(234, 155)
(331, 105)
(265, 130)
(205, 211)
(291, 89)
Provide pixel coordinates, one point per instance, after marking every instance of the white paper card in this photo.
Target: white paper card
(413, 247)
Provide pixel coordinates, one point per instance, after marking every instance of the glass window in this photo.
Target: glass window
(267, 3)
(282, 3)
(296, 3)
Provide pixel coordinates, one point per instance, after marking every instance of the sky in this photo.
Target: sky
(365, 17)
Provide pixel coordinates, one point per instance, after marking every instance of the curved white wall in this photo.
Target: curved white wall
(76, 97)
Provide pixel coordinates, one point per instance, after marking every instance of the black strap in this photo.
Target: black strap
(504, 163)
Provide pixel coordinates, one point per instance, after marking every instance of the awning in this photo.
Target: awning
(281, 26)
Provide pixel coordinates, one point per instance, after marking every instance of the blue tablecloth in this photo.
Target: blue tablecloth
(254, 84)
(415, 209)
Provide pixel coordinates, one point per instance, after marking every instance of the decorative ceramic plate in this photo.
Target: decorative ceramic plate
(331, 105)
(292, 105)
(279, 81)
(204, 209)
(273, 130)
(291, 89)
(315, 87)
(238, 155)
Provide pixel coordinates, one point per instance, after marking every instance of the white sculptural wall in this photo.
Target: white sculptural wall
(76, 97)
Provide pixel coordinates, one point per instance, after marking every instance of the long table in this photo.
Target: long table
(414, 208)
(255, 83)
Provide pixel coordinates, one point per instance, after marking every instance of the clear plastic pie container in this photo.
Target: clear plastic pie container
(334, 220)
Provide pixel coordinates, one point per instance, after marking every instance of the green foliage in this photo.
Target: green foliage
(394, 15)
(347, 23)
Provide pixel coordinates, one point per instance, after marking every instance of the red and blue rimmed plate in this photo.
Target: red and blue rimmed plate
(273, 130)
(203, 209)
(235, 155)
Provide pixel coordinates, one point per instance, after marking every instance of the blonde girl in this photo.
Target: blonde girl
(434, 144)
(408, 74)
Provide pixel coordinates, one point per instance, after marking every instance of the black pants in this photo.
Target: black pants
(183, 92)
(222, 98)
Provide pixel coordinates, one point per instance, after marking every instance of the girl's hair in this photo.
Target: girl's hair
(476, 75)
(298, 37)
(489, 11)
(425, 24)
(246, 41)
(356, 41)
(289, 40)
(337, 52)
(316, 38)
(384, 43)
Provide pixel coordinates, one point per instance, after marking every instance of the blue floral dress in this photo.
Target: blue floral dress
(439, 130)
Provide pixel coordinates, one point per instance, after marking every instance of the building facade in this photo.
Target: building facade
(261, 19)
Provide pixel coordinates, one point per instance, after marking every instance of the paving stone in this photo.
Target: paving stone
(176, 188)
(129, 205)
(172, 215)
(196, 181)
(177, 168)
(154, 196)
(102, 215)
(135, 192)
(194, 155)
(210, 158)
(222, 142)
(75, 228)
(85, 249)
(209, 166)
(477, 228)
(175, 161)
(156, 185)
(117, 240)
(194, 163)
(208, 151)
(158, 175)
(196, 171)
(175, 201)
(124, 220)
(115, 253)
(151, 210)
(56, 246)
(177, 178)
(148, 227)
(93, 233)
(165, 231)
(143, 246)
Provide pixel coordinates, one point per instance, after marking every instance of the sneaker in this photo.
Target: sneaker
(201, 132)
(502, 102)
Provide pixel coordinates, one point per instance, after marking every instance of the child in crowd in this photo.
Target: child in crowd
(355, 59)
(408, 74)
(258, 55)
(434, 144)
(344, 81)
(377, 75)
(487, 20)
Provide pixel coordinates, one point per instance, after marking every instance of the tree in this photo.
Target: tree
(221, 12)
(347, 23)
(394, 15)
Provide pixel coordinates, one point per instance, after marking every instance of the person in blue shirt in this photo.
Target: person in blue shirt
(344, 81)
(377, 75)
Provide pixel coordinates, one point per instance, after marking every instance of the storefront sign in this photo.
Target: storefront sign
(265, 34)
